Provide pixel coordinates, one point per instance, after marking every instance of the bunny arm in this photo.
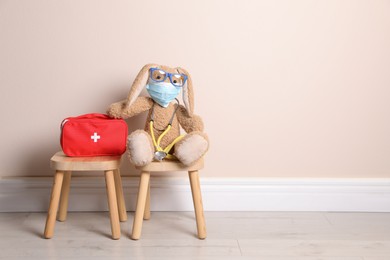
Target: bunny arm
(189, 124)
(196, 143)
(120, 109)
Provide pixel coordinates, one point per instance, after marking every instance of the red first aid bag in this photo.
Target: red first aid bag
(93, 135)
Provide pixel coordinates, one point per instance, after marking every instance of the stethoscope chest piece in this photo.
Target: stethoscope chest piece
(160, 155)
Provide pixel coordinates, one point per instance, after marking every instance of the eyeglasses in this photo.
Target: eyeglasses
(159, 75)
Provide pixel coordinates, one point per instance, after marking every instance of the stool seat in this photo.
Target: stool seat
(61, 162)
(171, 166)
(64, 165)
(143, 201)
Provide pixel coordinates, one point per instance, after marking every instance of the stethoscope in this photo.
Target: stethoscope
(161, 153)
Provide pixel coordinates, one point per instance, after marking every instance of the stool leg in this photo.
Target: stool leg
(197, 198)
(119, 196)
(147, 205)
(62, 212)
(140, 208)
(53, 206)
(112, 204)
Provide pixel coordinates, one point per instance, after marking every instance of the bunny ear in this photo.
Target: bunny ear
(139, 83)
(188, 92)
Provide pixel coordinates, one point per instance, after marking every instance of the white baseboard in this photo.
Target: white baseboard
(219, 194)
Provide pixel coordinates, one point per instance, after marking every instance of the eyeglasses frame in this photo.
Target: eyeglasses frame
(167, 74)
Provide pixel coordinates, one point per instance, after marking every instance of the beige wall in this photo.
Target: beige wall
(286, 88)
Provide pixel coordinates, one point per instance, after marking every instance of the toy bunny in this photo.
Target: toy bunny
(161, 137)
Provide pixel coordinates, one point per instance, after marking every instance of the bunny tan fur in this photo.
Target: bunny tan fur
(139, 143)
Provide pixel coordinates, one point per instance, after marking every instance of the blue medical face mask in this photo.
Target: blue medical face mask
(162, 92)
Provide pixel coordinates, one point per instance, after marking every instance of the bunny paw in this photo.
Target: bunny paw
(191, 148)
(139, 148)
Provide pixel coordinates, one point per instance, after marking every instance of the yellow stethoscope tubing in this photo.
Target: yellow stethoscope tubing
(157, 143)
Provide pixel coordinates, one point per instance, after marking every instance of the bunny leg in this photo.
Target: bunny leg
(191, 148)
(140, 148)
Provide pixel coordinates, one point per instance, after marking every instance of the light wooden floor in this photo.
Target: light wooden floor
(231, 235)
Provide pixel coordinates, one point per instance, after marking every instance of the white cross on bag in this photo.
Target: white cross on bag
(95, 137)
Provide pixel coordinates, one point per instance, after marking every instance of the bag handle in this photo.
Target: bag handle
(92, 115)
(85, 116)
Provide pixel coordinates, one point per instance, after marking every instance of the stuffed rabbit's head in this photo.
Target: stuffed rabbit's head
(163, 84)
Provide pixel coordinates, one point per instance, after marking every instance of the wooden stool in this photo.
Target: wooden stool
(64, 166)
(143, 202)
